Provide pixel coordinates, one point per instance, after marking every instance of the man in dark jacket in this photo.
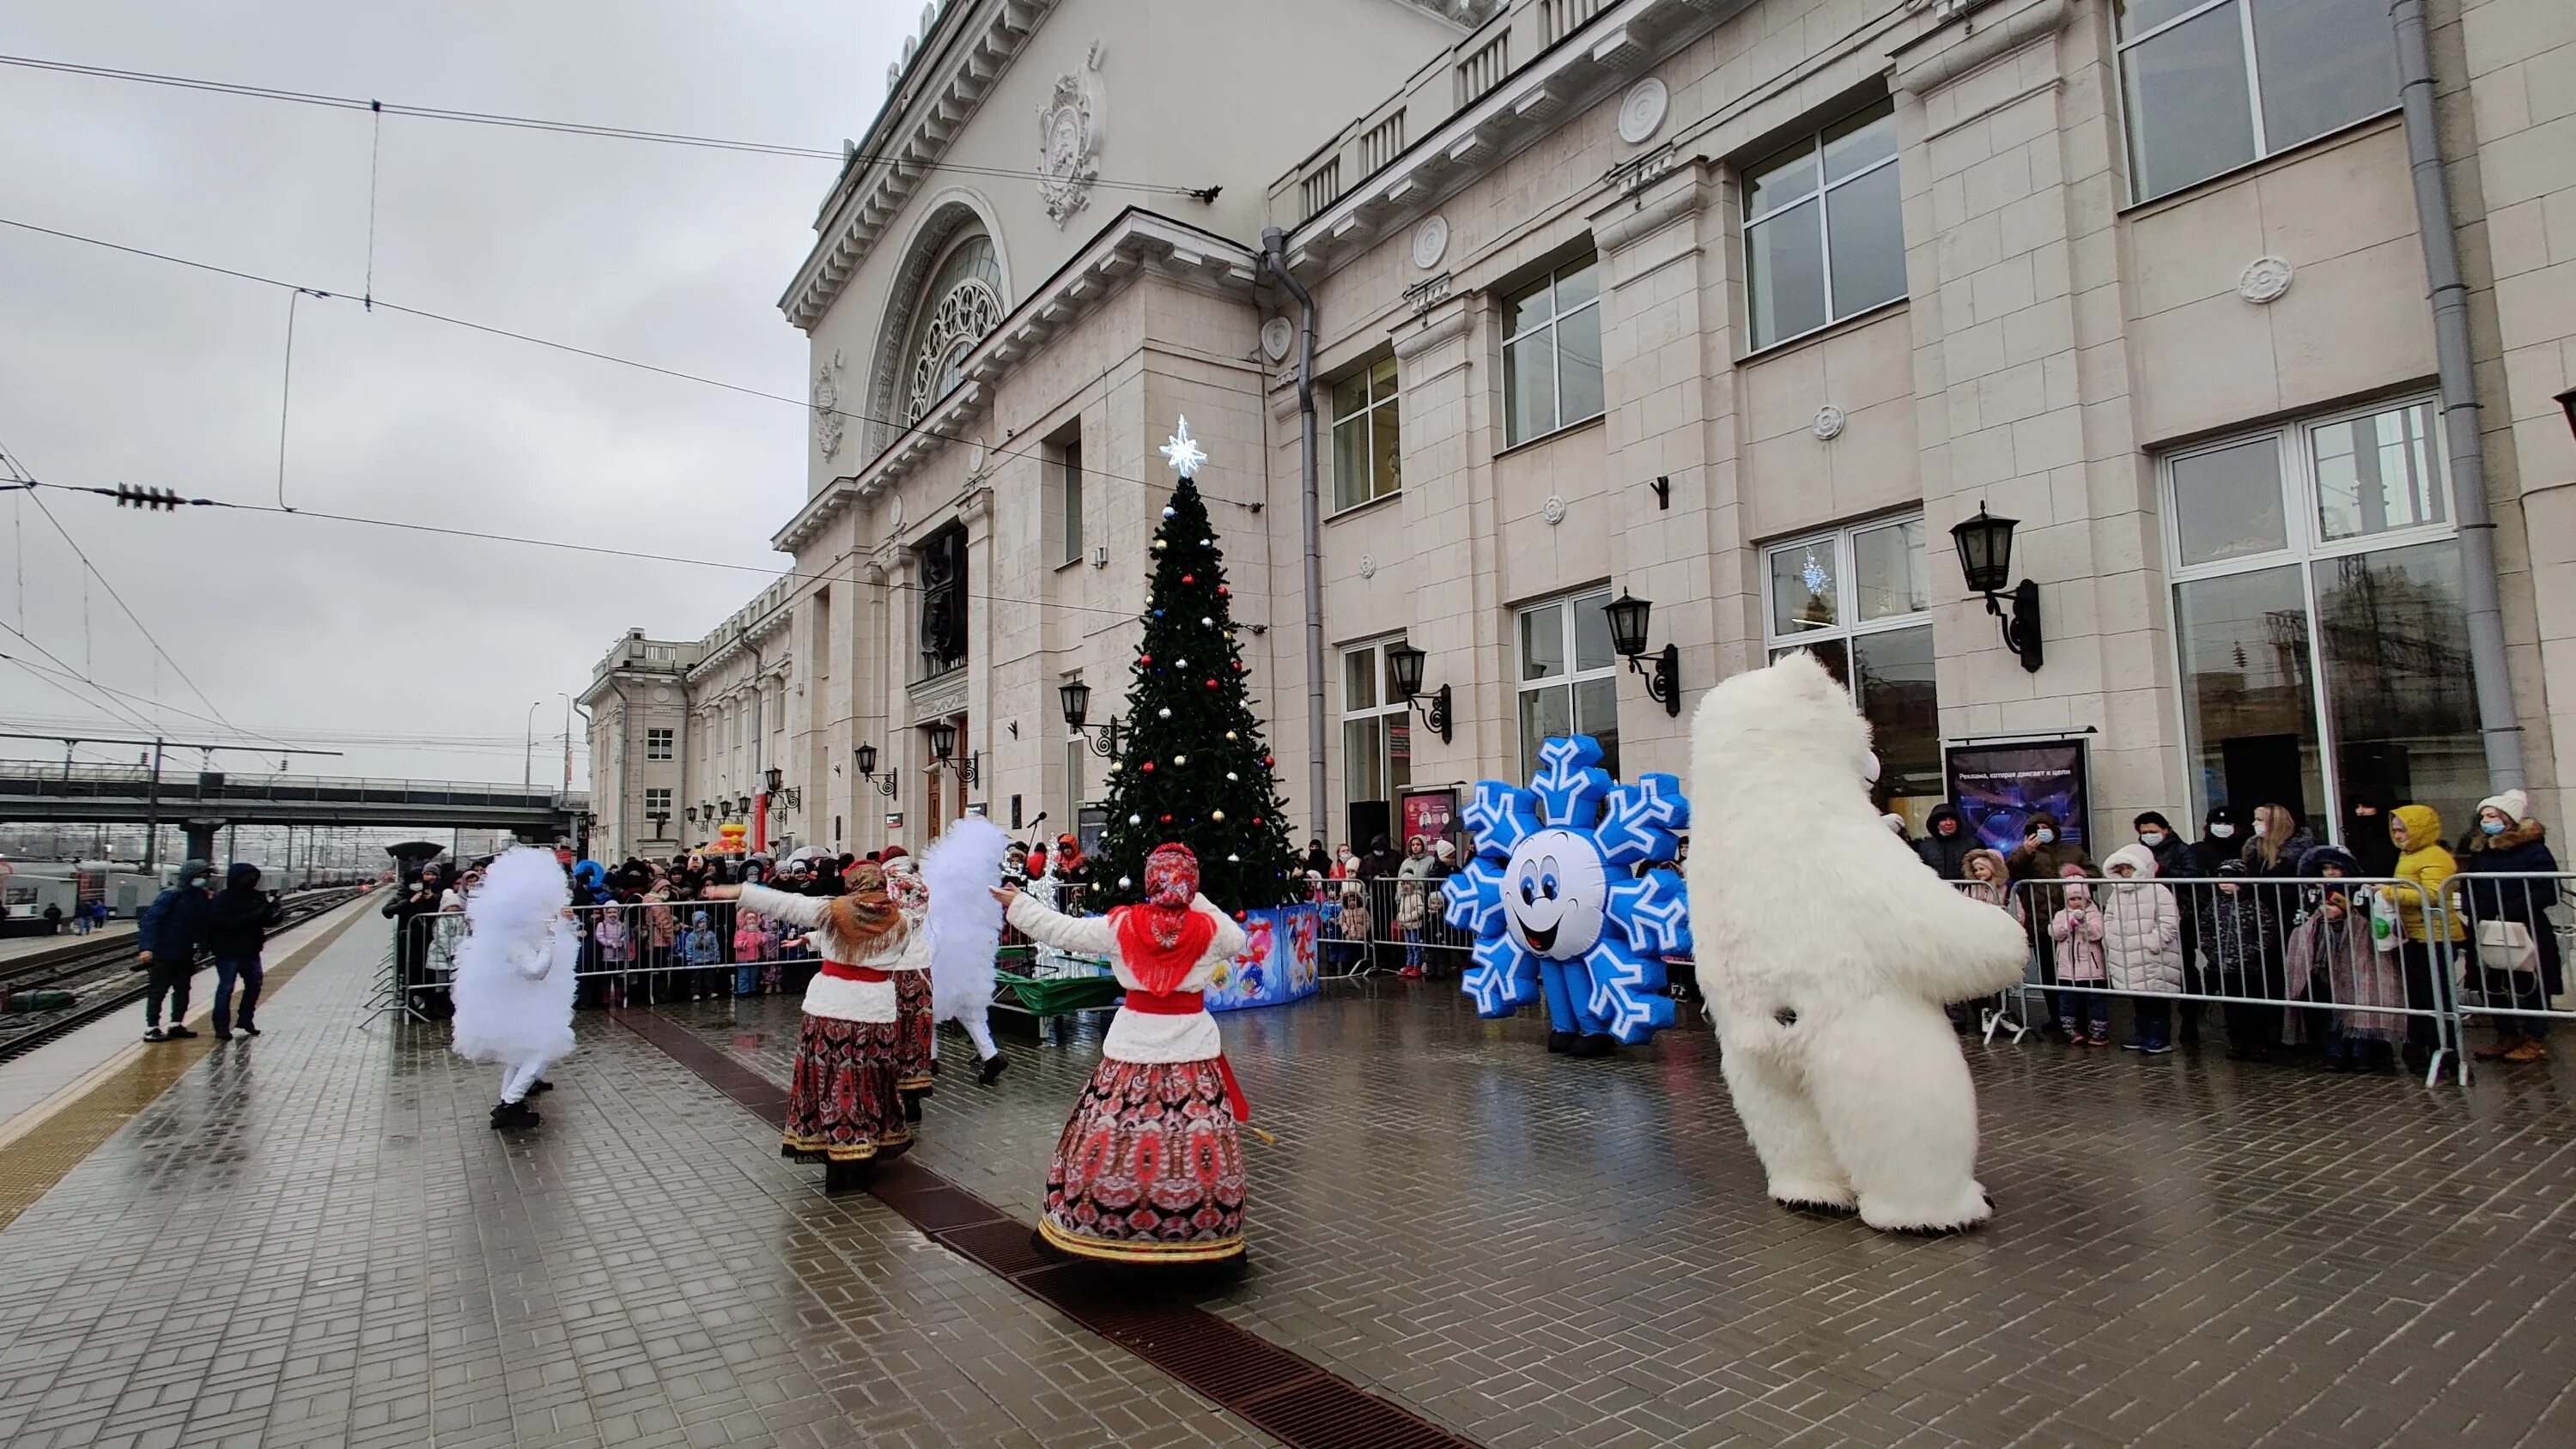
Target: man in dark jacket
(410, 910)
(1946, 842)
(168, 934)
(237, 923)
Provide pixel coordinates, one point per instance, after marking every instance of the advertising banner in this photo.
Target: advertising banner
(1999, 787)
(1431, 814)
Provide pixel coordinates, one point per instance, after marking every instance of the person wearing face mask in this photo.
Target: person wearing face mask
(2422, 867)
(2222, 839)
(2509, 922)
(2042, 858)
(2365, 831)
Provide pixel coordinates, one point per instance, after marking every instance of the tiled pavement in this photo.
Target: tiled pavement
(313, 1239)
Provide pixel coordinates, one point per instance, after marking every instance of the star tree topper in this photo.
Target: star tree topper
(1184, 452)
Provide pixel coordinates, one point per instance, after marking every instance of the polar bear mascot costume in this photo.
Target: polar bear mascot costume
(1827, 961)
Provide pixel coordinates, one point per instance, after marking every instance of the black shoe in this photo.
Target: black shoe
(1560, 1041)
(154, 1033)
(934, 1066)
(911, 1109)
(540, 1085)
(246, 1029)
(516, 1114)
(174, 1033)
(222, 1035)
(993, 1067)
(1593, 1044)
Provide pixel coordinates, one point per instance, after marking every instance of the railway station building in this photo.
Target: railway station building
(1740, 309)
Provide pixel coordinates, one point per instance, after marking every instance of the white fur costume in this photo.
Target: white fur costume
(1827, 952)
(961, 868)
(514, 972)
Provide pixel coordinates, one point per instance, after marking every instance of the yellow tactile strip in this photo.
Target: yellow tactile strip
(42, 1151)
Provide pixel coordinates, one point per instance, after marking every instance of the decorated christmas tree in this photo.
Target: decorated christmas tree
(1193, 766)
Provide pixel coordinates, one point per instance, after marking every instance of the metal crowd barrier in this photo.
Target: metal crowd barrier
(2509, 962)
(2240, 958)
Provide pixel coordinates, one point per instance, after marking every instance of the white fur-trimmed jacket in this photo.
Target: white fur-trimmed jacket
(830, 996)
(1136, 1036)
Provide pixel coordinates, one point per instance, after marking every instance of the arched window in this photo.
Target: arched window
(961, 307)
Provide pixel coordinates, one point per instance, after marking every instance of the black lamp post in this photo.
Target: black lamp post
(1076, 697)
(772, 778)
(865, 756)
(1628, 619)
(1985, 556)
(943, 745)
(1405, 663)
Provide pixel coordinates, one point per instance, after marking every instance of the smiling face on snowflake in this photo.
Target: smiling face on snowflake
(1554, 891)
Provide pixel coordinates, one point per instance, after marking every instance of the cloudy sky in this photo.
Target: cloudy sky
(417, 655)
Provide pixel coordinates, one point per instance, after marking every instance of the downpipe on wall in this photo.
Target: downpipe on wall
(2497, 724)
(1274, 248)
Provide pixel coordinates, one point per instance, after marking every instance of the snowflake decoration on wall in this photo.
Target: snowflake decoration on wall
(1552, 888)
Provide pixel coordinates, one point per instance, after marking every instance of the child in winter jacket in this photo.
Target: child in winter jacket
(750, 943)
(1354, 926)
(616, 950)
(2333, 962)
(2084, 1015)
(2142, 945)
(2242, 940)
(1983, 876)
(699, 947)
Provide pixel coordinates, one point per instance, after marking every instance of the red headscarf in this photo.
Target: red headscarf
(1162, 939)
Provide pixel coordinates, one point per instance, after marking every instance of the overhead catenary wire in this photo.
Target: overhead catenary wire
(120, 713)
(488, 329)
(380, 108)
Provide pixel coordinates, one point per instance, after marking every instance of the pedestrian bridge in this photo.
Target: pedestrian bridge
(33, 793)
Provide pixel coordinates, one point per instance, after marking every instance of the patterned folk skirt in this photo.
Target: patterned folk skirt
(842, 1105)
(913, 1031)
(1150, 1168)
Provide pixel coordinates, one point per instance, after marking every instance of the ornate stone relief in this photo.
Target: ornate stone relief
(1829, 422)
(1641, 114)
(827, 407)
(1553, 510)
(1277, 336)
(1430, 241)
(2264, 280)
(1069, 139)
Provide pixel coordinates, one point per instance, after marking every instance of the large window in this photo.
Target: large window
(1366, 454)
(657, 744)
(1064, 455)
(1822, 238)
(2319, 618)
(943, 601)
(1377, 740)
(960, 307)
(2210, 85)
(1568, 677)
(1552, 353)
(657, 802)
(1860, 600)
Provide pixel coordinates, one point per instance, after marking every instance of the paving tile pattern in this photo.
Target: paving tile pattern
(313, 1239)
(1535, 1251)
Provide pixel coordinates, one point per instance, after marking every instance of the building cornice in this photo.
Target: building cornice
(964, 56)
(1135, 243)
(1620, 43)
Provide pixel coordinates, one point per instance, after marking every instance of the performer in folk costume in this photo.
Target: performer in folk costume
(514, 977)
(1150, 1167)
(966, 930)
(916, 1060)
(843, 1108)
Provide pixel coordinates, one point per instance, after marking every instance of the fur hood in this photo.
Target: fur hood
(2522, 833)
(1994, 861)
(2132, 855)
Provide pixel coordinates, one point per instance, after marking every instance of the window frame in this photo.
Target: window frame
(1848, 629)
(1389, 706)
(661, 742)
(2263, 149)
(1556, 352)
(2305, 547)
(1575, 673)
(1366, 414)
(650, 791)
(1814, 140)
(1062, 456)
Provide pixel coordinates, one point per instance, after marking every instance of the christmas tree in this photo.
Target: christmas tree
(1194, 768)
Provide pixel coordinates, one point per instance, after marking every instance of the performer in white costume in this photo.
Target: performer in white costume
(965, 925)
(1827, 969)
(514, 976)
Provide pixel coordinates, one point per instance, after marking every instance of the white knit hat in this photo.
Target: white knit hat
(2515, 804)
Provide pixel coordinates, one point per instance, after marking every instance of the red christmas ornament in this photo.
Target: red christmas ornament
(1238, 666)
(1241, 916)
(1147, 767)
(1144, 658)
(1189, 578)
(1265, 759)
(1256, 819)
(1167, 820)
(1220, 591)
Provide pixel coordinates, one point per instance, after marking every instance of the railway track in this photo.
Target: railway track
(102, 982)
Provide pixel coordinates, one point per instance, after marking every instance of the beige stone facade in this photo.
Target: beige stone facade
(2202, 379)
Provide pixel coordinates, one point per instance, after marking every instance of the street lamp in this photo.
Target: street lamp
(2567, 405)
(1985, 557)
(1076, 696)
(1628, 619)
(1405, 663)
(866, 758)
(528, 751)
(943, 745)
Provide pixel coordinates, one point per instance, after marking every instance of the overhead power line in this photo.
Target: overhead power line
(489, 330)
(568, 128)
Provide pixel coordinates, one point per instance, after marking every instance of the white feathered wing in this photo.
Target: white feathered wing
(961, 868)
(514, 973)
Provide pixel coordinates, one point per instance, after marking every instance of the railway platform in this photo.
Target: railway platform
(313, 1238)
(23, 948)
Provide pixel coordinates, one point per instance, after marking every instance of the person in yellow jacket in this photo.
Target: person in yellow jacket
(2416, 831)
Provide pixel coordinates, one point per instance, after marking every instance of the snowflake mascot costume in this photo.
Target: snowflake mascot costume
(1827, 969)
(1150, 1167)
(1558, 910)
(514, 977)
(965, 923)
(843, 1108)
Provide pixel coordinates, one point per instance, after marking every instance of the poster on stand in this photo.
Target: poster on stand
(1430, 814)
(1999, 787)
(1277, 965)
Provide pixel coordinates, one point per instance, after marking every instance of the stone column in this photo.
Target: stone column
(1449, 526)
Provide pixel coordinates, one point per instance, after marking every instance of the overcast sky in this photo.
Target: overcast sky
(120, 369)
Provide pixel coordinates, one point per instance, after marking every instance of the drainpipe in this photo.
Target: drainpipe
(2450, 293)
(1274, 246)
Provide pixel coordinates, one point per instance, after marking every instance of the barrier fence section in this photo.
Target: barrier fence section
(2361, 967)
(2509, 955)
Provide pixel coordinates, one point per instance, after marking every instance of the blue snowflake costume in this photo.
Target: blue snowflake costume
(1553, 898)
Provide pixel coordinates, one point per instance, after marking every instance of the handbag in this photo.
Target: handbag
(2507, 946)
